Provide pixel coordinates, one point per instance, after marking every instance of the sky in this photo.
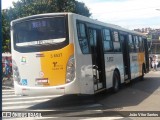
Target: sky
(130, 14)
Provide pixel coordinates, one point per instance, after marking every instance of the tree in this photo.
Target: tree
(82, 9)
(5, 32)
(23, 8)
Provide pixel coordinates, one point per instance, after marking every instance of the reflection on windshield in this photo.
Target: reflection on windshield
(40, 31)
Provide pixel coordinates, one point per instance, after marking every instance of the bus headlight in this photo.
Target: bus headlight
(70, 72)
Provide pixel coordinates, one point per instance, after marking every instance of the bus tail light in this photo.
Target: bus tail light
(70, 72)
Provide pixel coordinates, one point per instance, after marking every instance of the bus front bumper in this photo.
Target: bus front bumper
(70, 88)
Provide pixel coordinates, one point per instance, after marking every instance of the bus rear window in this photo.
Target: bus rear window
(40, 31)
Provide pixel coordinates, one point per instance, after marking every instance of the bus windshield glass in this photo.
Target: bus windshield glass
(42, 31)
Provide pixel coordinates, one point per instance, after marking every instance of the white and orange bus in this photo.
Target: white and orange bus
(66, 53)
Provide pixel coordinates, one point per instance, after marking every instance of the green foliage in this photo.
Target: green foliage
(82, 9)
(5, 32)
(23, 8)
(6, 46)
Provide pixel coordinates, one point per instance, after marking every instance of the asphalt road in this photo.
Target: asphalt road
(139, 98)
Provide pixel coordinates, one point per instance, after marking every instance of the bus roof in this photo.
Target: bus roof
(108, 25)
(80, 17)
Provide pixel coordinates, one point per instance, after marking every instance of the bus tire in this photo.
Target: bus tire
(116, 82)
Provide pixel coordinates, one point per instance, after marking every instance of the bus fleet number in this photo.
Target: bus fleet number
(56, 55)
(110, 59)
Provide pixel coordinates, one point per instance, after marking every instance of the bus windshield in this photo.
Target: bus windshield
(40, 31)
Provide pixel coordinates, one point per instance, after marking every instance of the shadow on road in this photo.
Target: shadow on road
(65, 102)
(130, 95)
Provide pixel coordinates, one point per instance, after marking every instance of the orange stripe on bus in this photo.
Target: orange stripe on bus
(54, 63)
(141, 60)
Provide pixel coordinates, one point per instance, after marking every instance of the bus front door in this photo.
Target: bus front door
(98, 63)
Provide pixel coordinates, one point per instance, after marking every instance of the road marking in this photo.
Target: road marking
(28, 98)
(8, 96)
(15, 107)
(44, 110)
(34, 118)
(85, 106)
(86, 112)
(44, 118)
(27, 102)
(93, 105)
(7, 93)
(103, 118)
(10, 90)
(24, 102)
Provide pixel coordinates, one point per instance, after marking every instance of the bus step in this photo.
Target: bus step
(125, 77)
(127, 81)
(100, 90)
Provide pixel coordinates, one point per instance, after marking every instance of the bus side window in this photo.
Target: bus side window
(107, 43)
(141, 46)
(131, 44)
(82, 38)
(136, 43)
(116, 42)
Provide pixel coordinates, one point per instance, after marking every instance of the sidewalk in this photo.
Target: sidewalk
(153, 73)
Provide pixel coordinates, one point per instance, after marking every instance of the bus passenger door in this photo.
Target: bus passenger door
(98, 63)
(126, 57)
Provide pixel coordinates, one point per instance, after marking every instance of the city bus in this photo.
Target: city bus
(66, 53)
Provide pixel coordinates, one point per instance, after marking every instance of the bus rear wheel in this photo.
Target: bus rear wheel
(116, 82)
